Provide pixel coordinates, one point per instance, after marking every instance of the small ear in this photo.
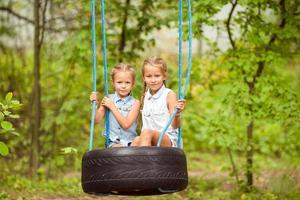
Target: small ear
(165, 77)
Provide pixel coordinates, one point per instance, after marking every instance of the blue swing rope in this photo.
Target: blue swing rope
(94, 75)
(107, 128)
(190, 36)
(182, 94)
(179, 63)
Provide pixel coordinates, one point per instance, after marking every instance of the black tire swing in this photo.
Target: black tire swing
(135, 170)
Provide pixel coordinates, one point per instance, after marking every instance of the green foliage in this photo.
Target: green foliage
(3, 149)
(21, 187)
(7, 109)
(219, 104)
(284, 184)
(256, 86)
(207, 180)
(69, 150)
(142, 18)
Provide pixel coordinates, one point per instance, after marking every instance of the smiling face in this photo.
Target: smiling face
(154, 77)
(123, 83)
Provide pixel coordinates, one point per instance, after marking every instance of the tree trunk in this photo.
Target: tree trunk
(250, 155)
(251, 86)
(34, 162)
(122, 44)
(234, 168)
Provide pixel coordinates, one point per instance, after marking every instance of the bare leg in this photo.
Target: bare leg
(150, 138)
(136, 141)
(116, 145)
(146, 137)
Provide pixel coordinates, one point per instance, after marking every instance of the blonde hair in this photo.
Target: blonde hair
(123, 67)
(154, 61)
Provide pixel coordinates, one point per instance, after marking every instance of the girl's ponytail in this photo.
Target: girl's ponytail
(140, 121)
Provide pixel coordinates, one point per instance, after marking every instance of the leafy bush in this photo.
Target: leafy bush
(7, 112)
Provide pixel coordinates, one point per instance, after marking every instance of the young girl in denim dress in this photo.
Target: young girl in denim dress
(123, 107)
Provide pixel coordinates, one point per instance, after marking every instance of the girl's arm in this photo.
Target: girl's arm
(101, 110)
(99, 114)
(125, 122)
(172, 103)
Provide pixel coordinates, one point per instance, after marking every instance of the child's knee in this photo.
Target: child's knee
(117, 145)
(136, 141)
(147, 133)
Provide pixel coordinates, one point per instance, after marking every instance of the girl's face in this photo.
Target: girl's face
(153, 77)
(123, 83)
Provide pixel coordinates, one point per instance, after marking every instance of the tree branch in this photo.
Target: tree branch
(141, 24)
(30, 21)
(122, 43)
(234, 4)
(281, 25)
(234, 168)
(43, 23)
(12, 12)
(273, 37)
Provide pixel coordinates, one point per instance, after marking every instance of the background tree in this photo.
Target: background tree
(62, 52)
(243, 99)
(253, 63)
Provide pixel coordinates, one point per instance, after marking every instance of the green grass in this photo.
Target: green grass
(17, 187)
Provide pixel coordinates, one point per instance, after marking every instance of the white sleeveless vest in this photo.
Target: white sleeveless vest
(155, 113)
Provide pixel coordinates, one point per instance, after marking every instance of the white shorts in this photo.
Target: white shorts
(173, 136)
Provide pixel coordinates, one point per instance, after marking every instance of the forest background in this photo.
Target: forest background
(242, 119)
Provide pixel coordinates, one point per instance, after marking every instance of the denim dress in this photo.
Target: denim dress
(118, 135)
